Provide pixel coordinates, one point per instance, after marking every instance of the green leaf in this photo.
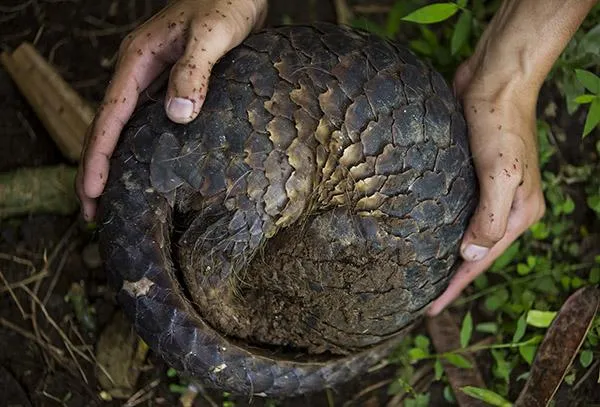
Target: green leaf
(486, 395)
(462, 3)
(593, 117)
(583, 99)
(433, 13)
(594, 277)
(568, 206)
(502, 368)
(521, 327)
(586, 357)
(466, 330)
(394, 19)
(416, 354)
(422, 342)
(528, 352)
(458, 360)
(507, 257)
(421, 47)
(540, 319)
(594, 203)
(497, 299)
(539, 230)
(589, 80)
(523, 269)
(438, 369)
(171, 372)
(487, 327)
(448, 395)
(462, 31)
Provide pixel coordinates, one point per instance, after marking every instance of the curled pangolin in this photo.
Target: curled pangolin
(284, 240)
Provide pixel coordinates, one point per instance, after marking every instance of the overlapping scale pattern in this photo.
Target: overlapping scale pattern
(315, 206)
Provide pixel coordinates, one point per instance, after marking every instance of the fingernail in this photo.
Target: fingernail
(180, 109)
(475, 252)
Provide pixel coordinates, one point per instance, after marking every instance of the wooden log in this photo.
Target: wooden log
(38, 190)
(61, 109)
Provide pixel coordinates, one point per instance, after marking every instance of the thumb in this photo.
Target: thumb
(488, 223)
(188, 81)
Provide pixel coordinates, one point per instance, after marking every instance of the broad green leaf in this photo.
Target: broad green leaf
(523, 269)
(458, 360)
(521, 327)
(528, 352)
(422, 342)
(540, 319)
(539, 230)
(487, 327)
(583, 99)
(589, 80)
(594, 203)
(394, 19)
(571, 88)
(438, 369)
(421, 47)
(462, 31)
(497, 299)
(594, 277)
(589, 46)
(501, 368)
(568, 206)
(448, 395)
(507, 257)
(434, 13)
(586, 357)
(486, 395)
(593, 117)
(466, 330)
(416, 354)
(420, 400)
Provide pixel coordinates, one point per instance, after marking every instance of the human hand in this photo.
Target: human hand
(190, 35)
(503, 141)
(498, 87)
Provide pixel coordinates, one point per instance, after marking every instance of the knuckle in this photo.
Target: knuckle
(129, 44)
(489, 230)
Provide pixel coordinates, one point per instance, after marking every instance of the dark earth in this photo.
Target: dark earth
(81, 37)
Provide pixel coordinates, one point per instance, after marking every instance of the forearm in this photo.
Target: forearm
(523, 41)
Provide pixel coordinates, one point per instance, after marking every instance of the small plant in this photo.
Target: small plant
(591, 83)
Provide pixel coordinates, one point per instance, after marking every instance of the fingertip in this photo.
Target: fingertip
(88, 209)
(94, 183)
(473, 252)
(180, 110)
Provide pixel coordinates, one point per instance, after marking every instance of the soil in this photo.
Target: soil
(81, 37)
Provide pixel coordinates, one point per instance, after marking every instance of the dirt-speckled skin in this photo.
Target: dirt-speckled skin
(333, 162)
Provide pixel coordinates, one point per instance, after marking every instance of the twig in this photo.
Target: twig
(58, 271)
(31, 279)
(367, 390)
(14, 297)
(371, 9)
(26, 334)
(142, 394)
(72, 349)
(343, 12)
(586, 375)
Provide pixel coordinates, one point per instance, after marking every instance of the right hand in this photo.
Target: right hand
(192, 35)
(503, 141)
